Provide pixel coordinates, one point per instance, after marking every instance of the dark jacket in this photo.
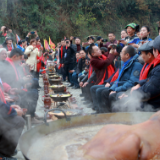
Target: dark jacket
(100, 65)
(76, 48)
(81, 65)
(129, 76)
(150, 87)
(61, 59)
(69, 56)
(6, 110)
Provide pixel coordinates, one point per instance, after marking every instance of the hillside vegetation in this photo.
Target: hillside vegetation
(59, 18)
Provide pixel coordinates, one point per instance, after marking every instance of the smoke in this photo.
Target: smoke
(133, 103)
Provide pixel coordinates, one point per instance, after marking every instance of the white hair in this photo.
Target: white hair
(2, 49)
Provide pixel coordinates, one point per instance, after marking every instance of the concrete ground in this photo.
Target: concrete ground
(76, 107)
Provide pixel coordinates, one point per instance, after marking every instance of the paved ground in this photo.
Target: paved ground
(77, 107)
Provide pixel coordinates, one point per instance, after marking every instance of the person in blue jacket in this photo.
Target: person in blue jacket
(128, 75)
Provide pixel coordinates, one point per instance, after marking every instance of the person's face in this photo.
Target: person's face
(78, 56)
(123, 34)
(111, 37)
(124, 56)
(34, 43)
(77, 41)
(90, 41)
(39, 42)
(146, 57)
(83, 54)
(144, 33)
(68, 43)
(9, 42)
(63, 43)
(24, 44)
(155, 53)
(130, 31)
(17, 59)
(97, 52)
(3, 55)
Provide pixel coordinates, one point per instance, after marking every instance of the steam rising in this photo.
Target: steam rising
(132, 103)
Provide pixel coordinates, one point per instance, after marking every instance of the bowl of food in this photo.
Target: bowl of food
(58, 88)
(60, 97)
(55, 81)
(54, 77)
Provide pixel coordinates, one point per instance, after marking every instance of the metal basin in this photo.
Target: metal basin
(28, 139)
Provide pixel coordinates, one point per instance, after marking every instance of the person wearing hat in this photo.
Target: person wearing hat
(147, 88)
(132, 28)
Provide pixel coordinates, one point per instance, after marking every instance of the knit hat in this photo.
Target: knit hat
(134, 26)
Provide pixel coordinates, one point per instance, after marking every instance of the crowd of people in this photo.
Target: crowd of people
(111, 74)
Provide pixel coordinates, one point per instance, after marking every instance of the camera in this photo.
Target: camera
(104, 40)
(67, 42)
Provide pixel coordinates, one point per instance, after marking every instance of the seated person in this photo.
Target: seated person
(11, 127)
(74, 77)
(11, 74)
(126, 142)
(102, 65)
(126, 77)
(148, 86)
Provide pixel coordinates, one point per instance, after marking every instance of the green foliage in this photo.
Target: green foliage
(59, 18)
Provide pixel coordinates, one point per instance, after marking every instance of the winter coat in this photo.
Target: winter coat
(129, 76)
(32, 57)
(100, 65)
(150, 86)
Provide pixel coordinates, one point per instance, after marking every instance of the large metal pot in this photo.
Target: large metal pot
(37, 132)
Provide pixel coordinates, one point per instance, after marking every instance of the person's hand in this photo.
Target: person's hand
(38, 60)
(101, 40)
(81, 84)
(123, 42)
(29, 33)
(107, 85)
(86, 69)
(112, 92)
(19, 112)
(8, 99)
(71, 38)
(85, 84)
(13, 91)
(62, 65)
(113, 51)
(83, 44)
(135, 87)
(122, 96)
(71, 71)
(15, 106)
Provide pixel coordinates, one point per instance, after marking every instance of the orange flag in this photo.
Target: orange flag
(52, 45)
(46, 45)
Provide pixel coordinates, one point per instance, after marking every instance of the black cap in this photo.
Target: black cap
(99, 38)
(146, 46)
(16, 51)
(104, 49)
(156, 43)
(90, 37)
